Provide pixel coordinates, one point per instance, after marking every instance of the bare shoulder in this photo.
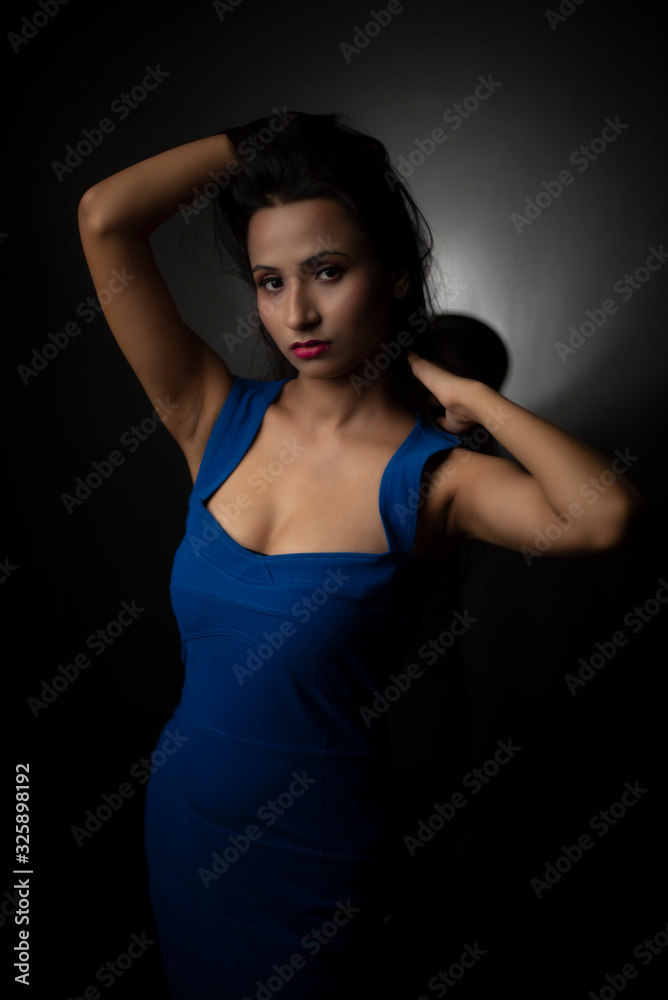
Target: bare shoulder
(456, 481)
(444, 472)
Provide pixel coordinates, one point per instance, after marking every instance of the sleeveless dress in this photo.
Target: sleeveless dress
(268, 828)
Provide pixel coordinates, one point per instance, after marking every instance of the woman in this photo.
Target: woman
(322, 503)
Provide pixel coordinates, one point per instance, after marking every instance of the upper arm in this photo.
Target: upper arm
(174, 365)
(491, 499)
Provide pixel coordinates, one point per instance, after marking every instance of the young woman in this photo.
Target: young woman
(322, 503)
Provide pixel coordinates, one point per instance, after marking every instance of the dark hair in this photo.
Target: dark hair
(326, 156)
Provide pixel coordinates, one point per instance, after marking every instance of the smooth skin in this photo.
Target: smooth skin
(322, 495)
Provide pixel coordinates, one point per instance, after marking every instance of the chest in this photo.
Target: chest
(290, 494)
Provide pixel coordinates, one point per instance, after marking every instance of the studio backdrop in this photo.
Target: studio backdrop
(529, 754)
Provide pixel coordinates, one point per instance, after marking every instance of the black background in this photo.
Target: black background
(505, 679)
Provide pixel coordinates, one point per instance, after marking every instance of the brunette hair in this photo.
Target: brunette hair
(293, 156)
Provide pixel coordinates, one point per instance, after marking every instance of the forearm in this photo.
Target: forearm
(565, 468)
(142, 196)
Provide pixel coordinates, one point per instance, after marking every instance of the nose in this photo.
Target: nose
(300, 310)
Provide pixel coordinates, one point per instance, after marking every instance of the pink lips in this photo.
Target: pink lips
(310, 348)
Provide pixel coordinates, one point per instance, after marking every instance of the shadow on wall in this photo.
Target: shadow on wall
(475, 345)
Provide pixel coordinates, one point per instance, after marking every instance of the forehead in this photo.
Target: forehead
(301, 228)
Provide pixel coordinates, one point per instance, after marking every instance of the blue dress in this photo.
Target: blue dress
(268, 827)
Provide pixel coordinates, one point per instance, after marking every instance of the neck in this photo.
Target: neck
(335, 404)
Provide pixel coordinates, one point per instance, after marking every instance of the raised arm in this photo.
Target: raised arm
(116, 217)
(570, 501)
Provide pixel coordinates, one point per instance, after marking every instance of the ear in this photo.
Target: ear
(400, 282)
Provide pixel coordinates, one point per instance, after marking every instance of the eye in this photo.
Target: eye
(265, 282)
(330, 267)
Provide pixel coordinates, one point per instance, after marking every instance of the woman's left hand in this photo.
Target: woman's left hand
(450, 390)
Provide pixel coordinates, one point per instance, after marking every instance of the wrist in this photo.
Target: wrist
(475, 397)
(485, 405)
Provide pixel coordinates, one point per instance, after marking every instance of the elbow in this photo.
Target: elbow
(88, 212)
(614, 529)
(91, 214)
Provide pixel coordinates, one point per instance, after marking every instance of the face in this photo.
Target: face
(319, 279)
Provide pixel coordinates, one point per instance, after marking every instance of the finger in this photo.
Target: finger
(427, 372)
(413, 358)
(455, 426)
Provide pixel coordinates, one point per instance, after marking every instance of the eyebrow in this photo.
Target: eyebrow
(305, 263)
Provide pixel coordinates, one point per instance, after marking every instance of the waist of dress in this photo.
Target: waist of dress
(335, 804)
(184, 717)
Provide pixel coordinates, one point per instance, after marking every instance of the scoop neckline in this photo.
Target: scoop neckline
(354, 553)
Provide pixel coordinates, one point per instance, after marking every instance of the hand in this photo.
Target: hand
(449, 390)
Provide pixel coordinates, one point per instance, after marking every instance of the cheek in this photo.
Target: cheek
(362, 300)
(266, 308)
